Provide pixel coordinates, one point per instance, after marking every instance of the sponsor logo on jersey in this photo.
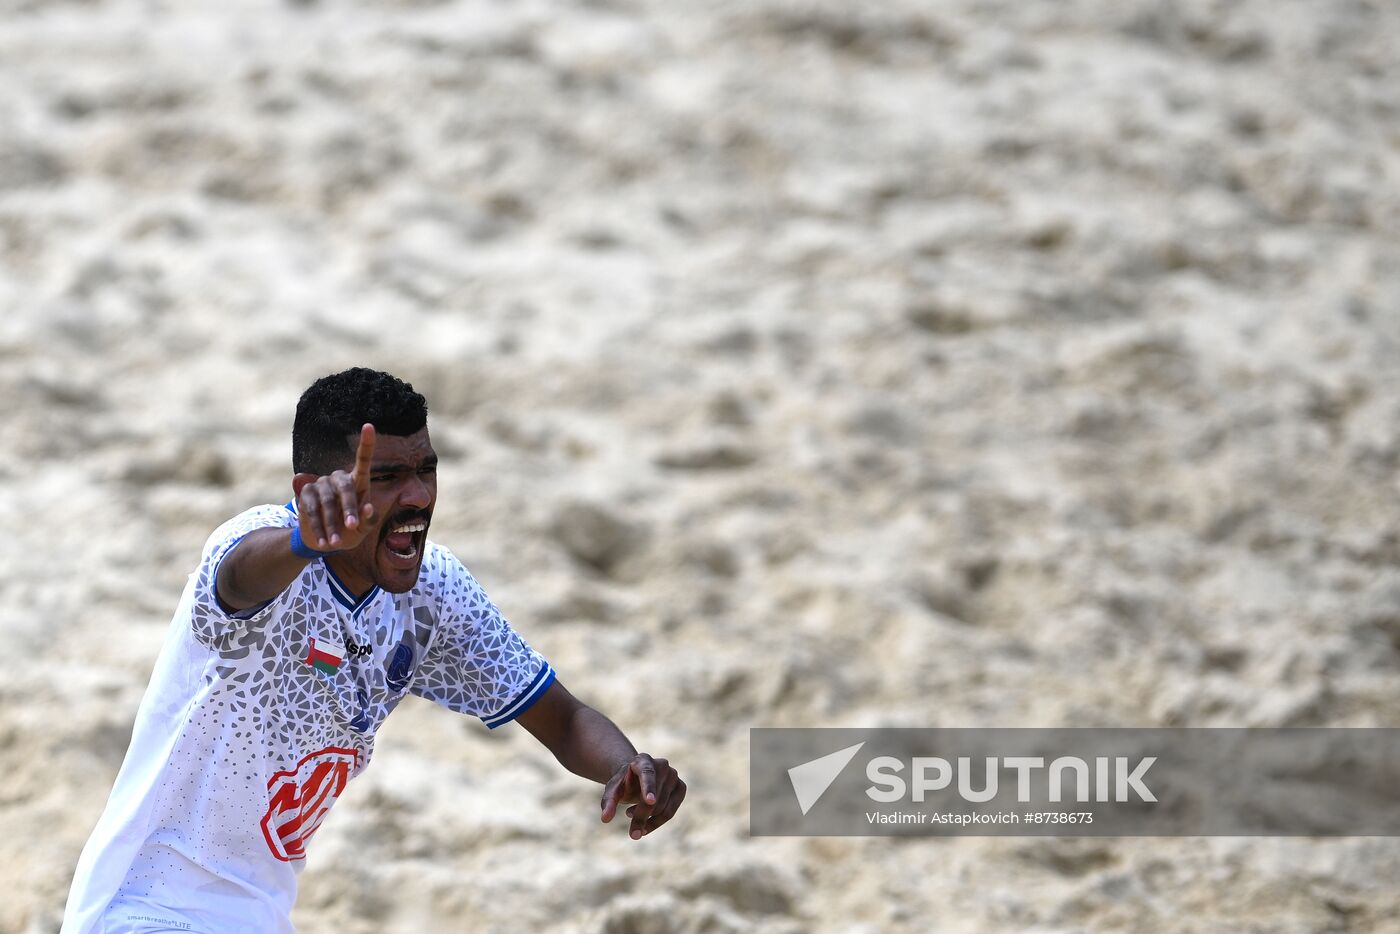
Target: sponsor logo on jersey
(300, 798)
(400, 667)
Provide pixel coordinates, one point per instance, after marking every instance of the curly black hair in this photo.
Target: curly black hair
(331, 411)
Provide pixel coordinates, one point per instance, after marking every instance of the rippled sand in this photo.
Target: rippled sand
(975, 363)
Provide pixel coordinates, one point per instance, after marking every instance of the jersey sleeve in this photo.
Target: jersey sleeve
(476, 663)
(212, 624)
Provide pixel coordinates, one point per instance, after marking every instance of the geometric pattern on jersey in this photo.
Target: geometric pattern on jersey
(241, 745)
(468, 657)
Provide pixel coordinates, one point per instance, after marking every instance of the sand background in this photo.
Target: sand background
(912, 363)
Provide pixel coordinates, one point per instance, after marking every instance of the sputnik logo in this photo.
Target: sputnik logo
(810, 780)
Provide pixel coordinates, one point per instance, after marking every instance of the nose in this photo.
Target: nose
(416, 493)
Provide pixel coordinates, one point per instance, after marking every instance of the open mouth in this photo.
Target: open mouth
(405, 538)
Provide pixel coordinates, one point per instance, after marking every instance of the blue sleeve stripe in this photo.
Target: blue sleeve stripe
(522, 703)
(249, 612)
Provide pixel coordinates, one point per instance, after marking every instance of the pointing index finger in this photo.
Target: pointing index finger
(364, 455)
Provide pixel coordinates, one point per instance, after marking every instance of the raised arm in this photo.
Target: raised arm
(590, 745)
(333, 514)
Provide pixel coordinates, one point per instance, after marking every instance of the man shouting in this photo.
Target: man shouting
(302, 628)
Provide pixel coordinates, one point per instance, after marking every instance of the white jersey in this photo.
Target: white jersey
(254, 722)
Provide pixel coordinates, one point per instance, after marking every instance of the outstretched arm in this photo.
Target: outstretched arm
(588, 744)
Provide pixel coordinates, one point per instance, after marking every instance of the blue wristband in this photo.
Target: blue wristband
(300, 549)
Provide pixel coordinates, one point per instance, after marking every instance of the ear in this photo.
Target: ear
(299, 481)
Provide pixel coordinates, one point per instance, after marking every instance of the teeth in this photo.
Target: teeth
(412, 527)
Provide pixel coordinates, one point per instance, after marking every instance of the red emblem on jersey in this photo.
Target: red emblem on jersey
(301, 797)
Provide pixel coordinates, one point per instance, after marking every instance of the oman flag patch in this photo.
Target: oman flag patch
(325, 656)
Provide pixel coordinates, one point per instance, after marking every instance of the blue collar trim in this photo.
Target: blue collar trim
(343, 595)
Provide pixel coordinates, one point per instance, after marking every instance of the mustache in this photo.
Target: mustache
(402, 517)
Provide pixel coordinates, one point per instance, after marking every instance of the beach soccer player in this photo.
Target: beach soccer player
(302, 628)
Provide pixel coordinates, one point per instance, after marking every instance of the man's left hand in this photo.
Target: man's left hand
(653, 789)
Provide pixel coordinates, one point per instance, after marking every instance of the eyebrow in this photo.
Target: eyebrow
(429, 461)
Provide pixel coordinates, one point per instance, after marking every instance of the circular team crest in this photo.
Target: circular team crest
(300, 798)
